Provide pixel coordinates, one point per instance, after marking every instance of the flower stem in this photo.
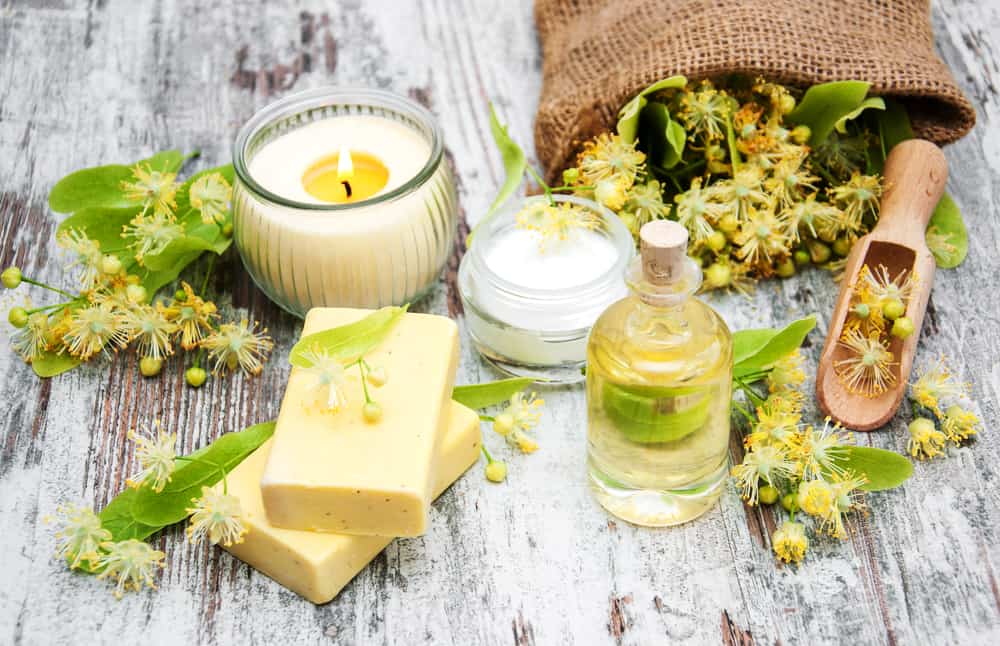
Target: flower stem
(486, 418)
(52, 307)
(489, 458)
(363, 367)
(208, 272)
(38, 283)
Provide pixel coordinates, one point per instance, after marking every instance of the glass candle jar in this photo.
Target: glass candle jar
(304, 252)
(529, 307)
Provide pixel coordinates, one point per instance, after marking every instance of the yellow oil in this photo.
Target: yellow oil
(368, 177)
(659, 383)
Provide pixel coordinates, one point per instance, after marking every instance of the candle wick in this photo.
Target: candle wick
(347, 187)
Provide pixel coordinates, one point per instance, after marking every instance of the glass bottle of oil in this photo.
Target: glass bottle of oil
(659, 382)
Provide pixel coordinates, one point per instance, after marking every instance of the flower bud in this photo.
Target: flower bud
(819, 252)
(570, 176)
(195, 377)
(801, 257)
(150, 367)
(902, 327)
(893, 309)
(18, 317)
(788, 503)
(768, 495)
(716, 241)
(610, 193)
(718, 276)
(136, 294)
(786, 104)
(110, 264)
(801, 134)
(861, 310)
(841, 247)
(729, 223)
(372, 412)
(227, 230)
(377, 376)
(11, 277)
(503, 424)
(496, 471)
(180, 296)
(786, 269)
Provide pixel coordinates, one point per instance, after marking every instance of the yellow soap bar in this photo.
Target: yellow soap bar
(318, 565)
(336, 472)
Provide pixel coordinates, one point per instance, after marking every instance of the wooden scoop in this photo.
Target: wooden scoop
(915, 174)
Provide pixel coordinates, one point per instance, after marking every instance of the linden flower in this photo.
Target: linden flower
(768, 463)
(31, 340)
(866, 306)
(819, 219)
(790, 181)
(867, 370)
(846, 497)
(743, 194)
(556, 222)
(153, 189)
(611, 193)
(520, 416)
(925, 440)
(157, 455)
(149, 327)
(787, 373)
(886, 289)
(210, 194)
(816, 497)
(761, 239)
(789, 542)
(697, 213)
(79, 536)
(940, 245)
(216, 516)
(238, 344)
(87, 252)
(818, 450)
(858, 197)
(330, 377)
(130, 563)
(646, 201)
(934, 385)
(841, 154)
(777, 423)
(94, 329)
(705, 112)
(152, 233)
(193, 316)
(959, 424)
(609, 157)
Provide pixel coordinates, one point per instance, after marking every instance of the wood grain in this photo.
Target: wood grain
(531, 561)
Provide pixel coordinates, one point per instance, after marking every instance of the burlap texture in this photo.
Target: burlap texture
(600, 53)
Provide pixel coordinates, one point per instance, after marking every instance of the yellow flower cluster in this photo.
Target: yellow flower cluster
(756, 199)
(799, 464)
(514, 423)
(946, 401)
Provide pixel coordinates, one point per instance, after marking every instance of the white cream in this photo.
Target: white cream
(517, 256)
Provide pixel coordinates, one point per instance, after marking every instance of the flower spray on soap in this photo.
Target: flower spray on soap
(659, 385)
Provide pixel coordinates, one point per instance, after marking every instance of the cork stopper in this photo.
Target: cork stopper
(663, 247)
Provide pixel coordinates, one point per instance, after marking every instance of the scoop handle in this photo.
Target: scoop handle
(915, 175)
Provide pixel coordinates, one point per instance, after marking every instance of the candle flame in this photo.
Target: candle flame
(345, 165)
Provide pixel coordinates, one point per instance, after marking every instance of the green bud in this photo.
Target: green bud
(789, 503)
(801, 134)
(18, 317)
(718, 276)
(716, 241)
(841, 247)
(921, 427)
(11, 277)
(110, 264)
(902, 327)
(503, 424)
(372, 412)
(786, 269)
(227, 230)
(801, 257)
(786, 104)
(819, 252)
(893, 309)
(570, 175)
(729, 223)
(377, 376)
(195, 377)
(136, 294)
(861, 310)
(768, 495)
(496, 471)
(180, 296)
(150, 367)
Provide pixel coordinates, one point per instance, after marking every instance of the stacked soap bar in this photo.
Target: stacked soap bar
(330, 490)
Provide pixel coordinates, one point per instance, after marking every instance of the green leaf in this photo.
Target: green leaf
(873, 102)
(91, 187)
(947, 221)
(825, 104)
(653, 414)
(883, 469)
(662, 138)
(756, 350)
(170, 505)
(476, 396)
(893, 126)
(178, 254)
(349, 342)
(50, 364)
(628, 116)
(167, 161)
(514, 164)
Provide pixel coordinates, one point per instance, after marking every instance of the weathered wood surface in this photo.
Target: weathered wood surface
(532, 561)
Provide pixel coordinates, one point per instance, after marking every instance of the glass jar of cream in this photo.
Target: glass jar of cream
(343, 198)
(529, 303)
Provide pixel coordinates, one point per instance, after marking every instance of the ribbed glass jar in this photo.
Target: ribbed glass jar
(386, 250)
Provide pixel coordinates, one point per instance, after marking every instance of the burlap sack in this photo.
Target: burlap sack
(600, 53)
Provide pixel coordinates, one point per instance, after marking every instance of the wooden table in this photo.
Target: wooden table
(531, 561)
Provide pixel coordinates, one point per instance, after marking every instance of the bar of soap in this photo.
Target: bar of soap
(335, 472)
(318, 565)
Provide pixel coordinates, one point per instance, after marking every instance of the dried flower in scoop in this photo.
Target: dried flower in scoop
(867, 370)
(130, 564)
(79, 535)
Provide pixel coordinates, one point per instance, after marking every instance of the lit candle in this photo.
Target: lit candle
(342, 199)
